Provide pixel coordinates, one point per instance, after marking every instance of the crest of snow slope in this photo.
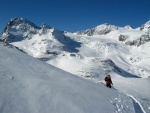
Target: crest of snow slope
(28, 85)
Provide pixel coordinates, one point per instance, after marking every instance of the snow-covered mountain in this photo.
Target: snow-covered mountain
(122, 52)
(37, 41)
(18, 29)
(99, 30)
(108, 49)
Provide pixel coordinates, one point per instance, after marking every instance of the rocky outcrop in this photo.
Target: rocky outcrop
(123, 37)
(142, 40)
(145, 27)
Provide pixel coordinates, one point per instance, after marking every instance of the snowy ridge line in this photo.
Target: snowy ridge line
(11, 46)
(133, 98)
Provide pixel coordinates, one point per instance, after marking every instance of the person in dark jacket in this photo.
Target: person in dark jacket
(108, 81)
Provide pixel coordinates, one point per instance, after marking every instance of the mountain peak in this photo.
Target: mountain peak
(99, 30)
(105, 24)
(128, 27)
(17, 21)
(45, 26)
(18, 29)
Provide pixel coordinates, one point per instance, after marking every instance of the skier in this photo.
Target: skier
(108, 81)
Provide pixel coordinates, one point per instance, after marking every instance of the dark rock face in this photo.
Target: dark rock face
(145, 26)
(122, 37)
(142, 40)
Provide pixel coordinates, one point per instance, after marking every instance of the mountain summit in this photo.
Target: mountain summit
(20, 21)
(18, 29)
(99, 30)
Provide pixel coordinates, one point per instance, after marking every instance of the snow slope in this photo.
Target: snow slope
(28, 85)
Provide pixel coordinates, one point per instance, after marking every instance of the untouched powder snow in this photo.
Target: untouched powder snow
(28, 85)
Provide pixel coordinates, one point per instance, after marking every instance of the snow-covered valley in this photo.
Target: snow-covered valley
(122, 52)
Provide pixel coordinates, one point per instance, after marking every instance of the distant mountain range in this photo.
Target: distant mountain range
(105, 49)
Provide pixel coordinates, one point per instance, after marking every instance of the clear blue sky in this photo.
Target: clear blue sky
(75, 15)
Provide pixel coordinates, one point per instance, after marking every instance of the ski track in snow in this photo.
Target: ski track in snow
(121, 103)
(137, 105)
